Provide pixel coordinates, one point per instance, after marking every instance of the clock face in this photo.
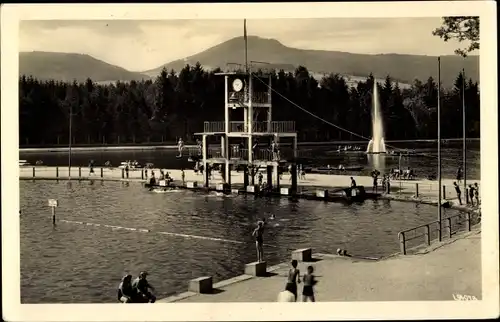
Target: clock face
(237, 85)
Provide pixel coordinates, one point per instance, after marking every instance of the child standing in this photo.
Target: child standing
(309, 282)
(293, 279)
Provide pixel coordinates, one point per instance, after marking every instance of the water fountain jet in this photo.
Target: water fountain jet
(376, 144)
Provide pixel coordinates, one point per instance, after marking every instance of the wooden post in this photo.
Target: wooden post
(402, 243)
(79, 172)
(57, 172)
(33, 172)
(123, 173)
(427, 235)
(416, 189)
(449, 226)
(466, 196)
(53, 216)
(444, 192)
(467, 221)
(102, 174)
(142, 174)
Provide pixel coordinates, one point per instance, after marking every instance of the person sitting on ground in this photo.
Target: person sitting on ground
(141, 286)
(293, 279)
(125, 290)
(309, 282)
(353, 183)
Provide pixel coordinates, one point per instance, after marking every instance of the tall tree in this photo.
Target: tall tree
(464, 28)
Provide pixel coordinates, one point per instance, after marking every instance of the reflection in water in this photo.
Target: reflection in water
(377, 161)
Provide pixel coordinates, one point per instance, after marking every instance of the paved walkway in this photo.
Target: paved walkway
(435, 273)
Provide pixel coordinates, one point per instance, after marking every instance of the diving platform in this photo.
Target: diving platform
(252, 142)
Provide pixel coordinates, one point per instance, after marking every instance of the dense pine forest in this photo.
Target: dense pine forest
(176, 105)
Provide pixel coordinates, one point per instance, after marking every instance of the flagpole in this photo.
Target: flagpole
(70, 139)
(464, 134)
(439, 149)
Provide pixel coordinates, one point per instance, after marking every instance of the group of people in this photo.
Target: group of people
(290, 292)
(137, 291)
(472, 191)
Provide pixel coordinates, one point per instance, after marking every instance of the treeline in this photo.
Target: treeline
(176, 105)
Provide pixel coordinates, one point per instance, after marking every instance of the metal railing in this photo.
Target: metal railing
(425, 234)
(257, 127)
(217, 126)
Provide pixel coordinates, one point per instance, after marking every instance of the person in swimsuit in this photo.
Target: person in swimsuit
(180, 146)
(259, 241)
(309, 282)
(293, 278)
(476, 193)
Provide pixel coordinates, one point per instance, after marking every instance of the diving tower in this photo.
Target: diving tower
(248, 134)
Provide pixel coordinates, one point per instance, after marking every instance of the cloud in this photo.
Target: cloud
(146, 44)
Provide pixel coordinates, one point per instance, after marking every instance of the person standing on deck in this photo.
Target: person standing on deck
(471, 195)
(293, 279)
(200, 146)
(476, 193)
(183, 176)
(91, 167)
(180, 147)
(353, 183)
(259, 241)
(309, 282)
(459, 193)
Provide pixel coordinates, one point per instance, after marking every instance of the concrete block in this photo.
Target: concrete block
(162, 183)
(192, 184)
(285, 191)
(201, 285)
(235, 191)
(321, 193)
(256, 269)
(253, 189)
(302, 255)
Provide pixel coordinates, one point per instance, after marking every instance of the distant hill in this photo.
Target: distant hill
(68, 67)
(403, 68)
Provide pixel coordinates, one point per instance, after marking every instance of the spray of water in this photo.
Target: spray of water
(376, 144)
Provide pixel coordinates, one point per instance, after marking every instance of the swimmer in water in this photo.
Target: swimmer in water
(259, 242)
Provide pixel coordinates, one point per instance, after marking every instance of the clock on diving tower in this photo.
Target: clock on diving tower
(249, 140)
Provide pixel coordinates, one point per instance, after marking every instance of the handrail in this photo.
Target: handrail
(402, 235)
(257, 126)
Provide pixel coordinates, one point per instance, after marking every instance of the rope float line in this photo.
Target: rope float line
(157, 232)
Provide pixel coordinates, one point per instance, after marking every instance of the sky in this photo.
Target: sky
(140, 45)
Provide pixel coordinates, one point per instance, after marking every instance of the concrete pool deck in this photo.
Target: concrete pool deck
(439, 272)
(401, 190)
